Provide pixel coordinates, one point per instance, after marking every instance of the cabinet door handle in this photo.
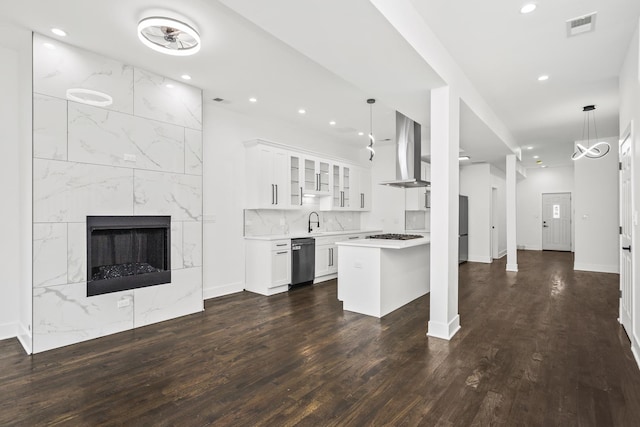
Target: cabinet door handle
(283, 252)
(300, 196)
(273, 199)
(281, 244)
(318, 181)
(425, 199)
(626, 248)
(276, 194)
(362, 200)
(329, 257)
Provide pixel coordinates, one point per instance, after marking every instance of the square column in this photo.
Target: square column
(444, 321)
(512, 253)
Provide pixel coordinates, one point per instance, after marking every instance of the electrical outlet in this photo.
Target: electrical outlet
(124, 302)
(129, 157)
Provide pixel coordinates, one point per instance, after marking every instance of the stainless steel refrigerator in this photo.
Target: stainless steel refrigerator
(463, 230)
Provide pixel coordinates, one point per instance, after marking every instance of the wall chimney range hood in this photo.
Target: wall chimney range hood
(408, 152)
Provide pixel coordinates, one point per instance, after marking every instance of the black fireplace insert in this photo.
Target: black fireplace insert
(127, 252)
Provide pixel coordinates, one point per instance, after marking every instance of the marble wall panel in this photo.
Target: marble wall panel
(262, 222)
(63, 67)
(64, 315)
(104, 137)
(192, 244)
(180, 297)
(49, 127)
(68, 192)
(193, 151)
(158, 193)
(179, 104)
(77, 252)
(49, 254)
(177, 259)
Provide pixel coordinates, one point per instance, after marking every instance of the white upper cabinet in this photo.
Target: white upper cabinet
(268, 185)
(317, 176)
(361, 189)
(419, 198)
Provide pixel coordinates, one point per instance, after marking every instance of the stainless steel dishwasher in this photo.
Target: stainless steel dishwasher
(303, 261)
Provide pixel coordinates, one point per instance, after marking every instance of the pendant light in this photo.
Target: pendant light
(372, 140)
(599, 148)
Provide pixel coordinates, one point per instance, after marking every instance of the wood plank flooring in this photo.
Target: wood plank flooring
(540, 347)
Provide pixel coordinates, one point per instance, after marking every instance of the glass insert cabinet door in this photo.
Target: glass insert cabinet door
(316, 176)
(296, 186)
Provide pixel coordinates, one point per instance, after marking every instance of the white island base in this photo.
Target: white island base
(377, 277)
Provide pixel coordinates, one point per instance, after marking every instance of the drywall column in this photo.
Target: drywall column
(444, 321)
(512, 253)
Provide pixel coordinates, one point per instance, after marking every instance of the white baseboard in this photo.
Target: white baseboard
(444, 331)
(8, 330)
(218, 291)
(512, 267)
(25, 338)
(532, 248)
(635, 349)
(599, 268)
(502, 254)
(478, 258)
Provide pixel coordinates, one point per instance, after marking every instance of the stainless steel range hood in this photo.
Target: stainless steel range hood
(408, 151)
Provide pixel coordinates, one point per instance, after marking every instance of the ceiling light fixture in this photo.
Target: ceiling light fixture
(529, 148)
(59, 32)
(543, 78)
(254, 100)
(302, 111)
(528, 8)
(360, 133)
(543, 166)
(536, 157)
(332, 123)
(185, 77)
(599, 148)
(372, 140)
(168, 36)
(463, 158)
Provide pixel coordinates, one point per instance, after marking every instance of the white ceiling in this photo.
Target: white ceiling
(329, 56)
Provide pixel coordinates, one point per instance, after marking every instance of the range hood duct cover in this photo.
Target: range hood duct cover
(408, 152)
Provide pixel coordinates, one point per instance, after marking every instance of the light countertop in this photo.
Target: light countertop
(385, 243)
(312, 234)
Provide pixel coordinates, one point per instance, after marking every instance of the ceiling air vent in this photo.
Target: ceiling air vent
(218, 99)
(581, 25)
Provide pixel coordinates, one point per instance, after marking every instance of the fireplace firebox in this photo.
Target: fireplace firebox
(127, 252)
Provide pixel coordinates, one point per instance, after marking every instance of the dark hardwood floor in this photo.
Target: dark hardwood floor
(538, 348)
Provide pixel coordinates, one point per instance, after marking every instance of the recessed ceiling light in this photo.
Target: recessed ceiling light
(58, 32)
(538, 162)
(170, 86)
(302, 111)
(168, 36)
(463, 158)
(543, 78)
(536, 157)
(528, 8)
(543, 166)
(48, 45)
(253, 99)
(332, 122)
(185, 77)
(529, 148)
(360, 133)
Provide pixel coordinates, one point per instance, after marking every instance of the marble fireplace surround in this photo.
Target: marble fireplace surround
(141, 155)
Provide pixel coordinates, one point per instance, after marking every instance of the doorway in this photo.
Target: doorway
(556, 221)
(626, 207)
(495, 252)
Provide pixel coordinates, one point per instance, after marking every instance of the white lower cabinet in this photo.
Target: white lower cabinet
(268, 266)
(326, 260)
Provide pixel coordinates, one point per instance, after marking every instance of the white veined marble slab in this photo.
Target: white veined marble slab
(49, 254)
(68, 192)
(106, 137)
(180, 297)
(77, 252)
(64, 315)
(177, 260)
(49, 127)
(160, 193)
(179, 104)
(192, 244)
(193, 151)
(64, 67)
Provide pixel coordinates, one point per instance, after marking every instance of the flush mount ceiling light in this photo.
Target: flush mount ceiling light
(252, 99)
(372, 140)
(543, 78)
(89, 97)
(58, 32)
(528, 8)
(302, 111)
(168, 36)
(185, 77)
(332, 123)
(463, 158)
(599, 148)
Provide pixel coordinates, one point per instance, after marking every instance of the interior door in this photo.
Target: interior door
(626, 206)
(556, 221)
(494, 223)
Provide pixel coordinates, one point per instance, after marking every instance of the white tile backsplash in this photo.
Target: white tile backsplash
(106, 137)
(263, 222)
(65, 67)
(49, 127)
(181, 104)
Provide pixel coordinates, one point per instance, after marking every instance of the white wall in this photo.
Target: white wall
(475, 182)
(529, 202)
(596, 212)
(499, 181)
(224, 181)
(630, 112)
(9, 212)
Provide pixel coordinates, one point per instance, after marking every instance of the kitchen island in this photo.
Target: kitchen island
(378, 276)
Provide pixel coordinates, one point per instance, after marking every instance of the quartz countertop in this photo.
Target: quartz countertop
(386, 243)
(312, 234)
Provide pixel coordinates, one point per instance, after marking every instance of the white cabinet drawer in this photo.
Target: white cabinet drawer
(281, 245)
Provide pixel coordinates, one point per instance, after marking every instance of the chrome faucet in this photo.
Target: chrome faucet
(317, 221)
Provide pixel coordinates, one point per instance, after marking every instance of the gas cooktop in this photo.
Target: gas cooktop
(391, 236)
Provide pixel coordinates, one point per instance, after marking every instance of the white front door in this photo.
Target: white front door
(556, 221)
(626, 277)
